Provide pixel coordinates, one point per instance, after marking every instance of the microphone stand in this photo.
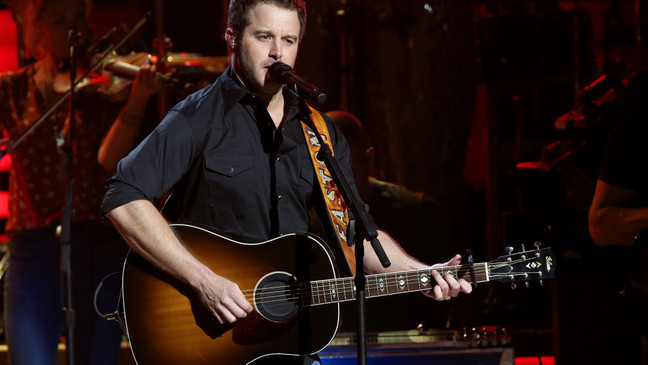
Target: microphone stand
(66, 268)
(65, 143)
(362, 228)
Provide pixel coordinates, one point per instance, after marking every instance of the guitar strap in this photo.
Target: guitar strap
(336, 207)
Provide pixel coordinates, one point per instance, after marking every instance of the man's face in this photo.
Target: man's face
(272, 35)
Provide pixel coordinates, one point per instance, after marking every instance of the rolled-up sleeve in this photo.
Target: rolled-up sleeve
(154, 166)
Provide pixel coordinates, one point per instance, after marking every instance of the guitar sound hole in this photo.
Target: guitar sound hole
(276, 297)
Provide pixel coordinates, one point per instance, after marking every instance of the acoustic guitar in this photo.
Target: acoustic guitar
(293, 285)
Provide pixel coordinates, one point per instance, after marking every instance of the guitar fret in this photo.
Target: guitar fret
(347, 295)
(332, 291)
(324, 292)
(312, 293)
(401, 283)
(321, 294)
(412, 278)
(424, 278)
(317, 293)
(392, 283)
(383, 285)
(327, 293)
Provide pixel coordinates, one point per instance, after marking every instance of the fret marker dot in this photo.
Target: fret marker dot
(424, 280)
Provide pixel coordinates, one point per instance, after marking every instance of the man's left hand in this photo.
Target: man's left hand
(447, 285)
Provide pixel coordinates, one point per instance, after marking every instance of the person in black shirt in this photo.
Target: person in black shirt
(619, 210)
(619, 214)
(237, 160)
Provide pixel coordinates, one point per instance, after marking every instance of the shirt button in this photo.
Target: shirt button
(231, 169)
(279, 196)
(278, 158)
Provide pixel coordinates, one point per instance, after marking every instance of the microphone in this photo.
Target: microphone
(286, 75)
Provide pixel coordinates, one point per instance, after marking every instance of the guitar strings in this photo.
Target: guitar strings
(325, 288)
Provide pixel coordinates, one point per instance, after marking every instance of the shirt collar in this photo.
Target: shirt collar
(234, 92)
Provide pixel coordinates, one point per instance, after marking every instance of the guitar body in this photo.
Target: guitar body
(166, 324)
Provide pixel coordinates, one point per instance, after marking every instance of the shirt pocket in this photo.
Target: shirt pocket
(231, 181)
(229, 164)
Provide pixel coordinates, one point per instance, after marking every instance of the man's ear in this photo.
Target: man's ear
(230, 38)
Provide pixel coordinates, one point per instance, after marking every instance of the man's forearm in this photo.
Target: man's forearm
(400, 260)
(617, 225)
(149, 234)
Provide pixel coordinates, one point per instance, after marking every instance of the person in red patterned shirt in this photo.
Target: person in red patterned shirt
(37, 189)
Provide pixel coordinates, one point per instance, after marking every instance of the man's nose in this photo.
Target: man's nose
(275, 49)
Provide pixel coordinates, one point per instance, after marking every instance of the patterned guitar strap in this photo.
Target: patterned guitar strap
(336, 207)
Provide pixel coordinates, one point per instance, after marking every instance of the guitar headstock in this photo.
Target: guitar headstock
(538, 264)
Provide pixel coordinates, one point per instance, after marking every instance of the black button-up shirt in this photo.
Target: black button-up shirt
(229, 167)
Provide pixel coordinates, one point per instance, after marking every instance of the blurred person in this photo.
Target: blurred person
(618, 216)
(33, 286)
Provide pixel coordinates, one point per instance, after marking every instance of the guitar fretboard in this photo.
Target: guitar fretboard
(376, 285)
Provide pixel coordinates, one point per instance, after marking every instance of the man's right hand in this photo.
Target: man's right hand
(144, 228)
(224, 299)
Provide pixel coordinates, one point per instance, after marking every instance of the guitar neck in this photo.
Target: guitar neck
(378, 285)
(524, 266)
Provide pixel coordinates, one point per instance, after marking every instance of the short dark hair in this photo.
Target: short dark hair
(239, 10)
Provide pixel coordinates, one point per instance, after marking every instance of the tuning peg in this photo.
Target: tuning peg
(508, 249)
(526, 283)
(541, 283)
(513, 286)
(537, 244)
(523, 249)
